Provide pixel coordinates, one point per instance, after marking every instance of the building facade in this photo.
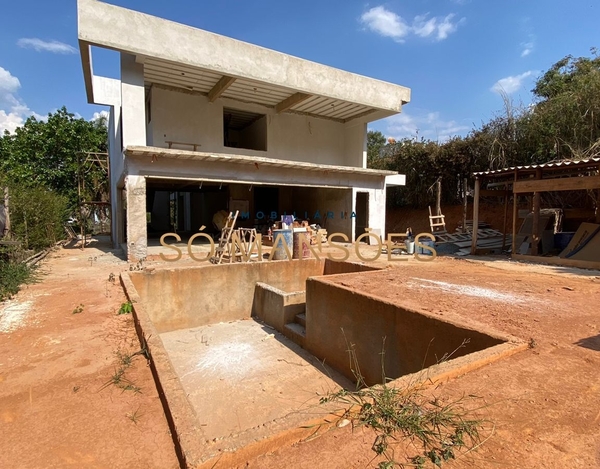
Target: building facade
(201, 122)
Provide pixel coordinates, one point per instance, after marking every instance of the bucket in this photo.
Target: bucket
(301, 250)
(410, 246)
(425, 252)
(281, 239)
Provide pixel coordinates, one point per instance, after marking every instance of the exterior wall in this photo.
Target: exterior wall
(137, 239)
(411, 340)
(133, 103)
(190, 118)
(276, 307)
(326, 202)
(198, 296)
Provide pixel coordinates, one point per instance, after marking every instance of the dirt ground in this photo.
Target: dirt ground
(57, 410)
(58, 406)
(542, 404)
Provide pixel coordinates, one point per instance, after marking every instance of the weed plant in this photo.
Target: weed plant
(12, 276)
(413, 428)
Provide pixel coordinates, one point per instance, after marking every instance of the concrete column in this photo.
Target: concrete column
(133, 103)
(377, 211)
(137, 237)
(115, 152)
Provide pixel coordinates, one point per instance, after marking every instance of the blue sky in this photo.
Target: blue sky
(455, 55)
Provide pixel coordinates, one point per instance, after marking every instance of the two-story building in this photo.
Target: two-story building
(201, 122)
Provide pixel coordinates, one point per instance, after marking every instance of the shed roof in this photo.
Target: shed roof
(552, 166)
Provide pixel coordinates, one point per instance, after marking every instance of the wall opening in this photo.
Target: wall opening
(362, 213)
(244, 129)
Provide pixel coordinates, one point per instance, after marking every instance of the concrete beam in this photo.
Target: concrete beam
(220, 88)
(136, 33)
(291, 101)
(88, 72)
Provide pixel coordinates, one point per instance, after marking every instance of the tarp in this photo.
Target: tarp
(585, 245)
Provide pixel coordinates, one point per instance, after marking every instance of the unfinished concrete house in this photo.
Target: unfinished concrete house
(201, 122)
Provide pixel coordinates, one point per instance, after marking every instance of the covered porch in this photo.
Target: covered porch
(179, 191)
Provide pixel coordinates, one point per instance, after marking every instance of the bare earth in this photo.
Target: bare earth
(55, 410)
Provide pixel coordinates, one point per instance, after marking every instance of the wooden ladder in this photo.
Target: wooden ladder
(223, 246)
(437, 223)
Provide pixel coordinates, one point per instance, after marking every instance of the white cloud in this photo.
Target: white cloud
(527, 47)
(511, 84)
(440, 28)
(389, 24)
(56, 47)
(428, 125)
(386, 23)
(100, 115)
(13, 111)
(9, 121)
(8, 83)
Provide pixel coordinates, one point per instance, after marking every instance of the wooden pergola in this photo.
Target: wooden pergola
(565, 175)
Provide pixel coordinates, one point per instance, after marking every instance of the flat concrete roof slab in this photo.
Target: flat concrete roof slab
(243, 374)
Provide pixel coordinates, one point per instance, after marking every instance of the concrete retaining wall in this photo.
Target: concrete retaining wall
(338, 318)
(197, 296)
(276, 307)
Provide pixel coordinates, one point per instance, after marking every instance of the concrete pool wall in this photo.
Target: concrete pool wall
(339, 318)
(195, 296)
(168, 301)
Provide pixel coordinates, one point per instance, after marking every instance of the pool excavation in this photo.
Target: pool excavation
(242, 354)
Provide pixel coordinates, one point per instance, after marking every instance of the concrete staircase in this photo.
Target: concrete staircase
(296, 331)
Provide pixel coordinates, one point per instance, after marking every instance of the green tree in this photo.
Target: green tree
(375, 142)
(45, 153)
(565, 120)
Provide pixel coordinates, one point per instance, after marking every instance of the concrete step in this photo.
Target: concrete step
(295, 332)
(301, 319)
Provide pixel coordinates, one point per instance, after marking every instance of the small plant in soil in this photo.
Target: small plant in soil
(78, 309)
(413, 428)
(126, 308)
(134, 416)
(118, 379)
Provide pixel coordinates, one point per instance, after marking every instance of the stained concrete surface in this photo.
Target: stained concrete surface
(240, 375)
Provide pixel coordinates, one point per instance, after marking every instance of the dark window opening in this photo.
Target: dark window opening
(243, 129)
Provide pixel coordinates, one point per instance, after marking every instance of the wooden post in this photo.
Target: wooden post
(513, 249)
(597, 207)
(597, 202)
(475, 216)
(505, 217)
(465, 205)
(438, 201)
(535, 235)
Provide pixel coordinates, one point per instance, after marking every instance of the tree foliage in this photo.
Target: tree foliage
(37, 215)
(562, 123)
(44, 153)
(375, 142)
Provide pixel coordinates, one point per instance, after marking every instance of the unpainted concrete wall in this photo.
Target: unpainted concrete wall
(190, 118)
(276, 307)
(197, 296)
(337, 317)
